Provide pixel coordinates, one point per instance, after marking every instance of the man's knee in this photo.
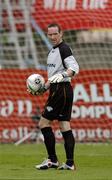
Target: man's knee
(43, 123)
(64, 126)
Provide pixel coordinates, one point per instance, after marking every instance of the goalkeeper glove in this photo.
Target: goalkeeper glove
(39, 92)
(58, 77)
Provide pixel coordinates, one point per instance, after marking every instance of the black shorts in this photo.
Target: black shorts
(59, 103)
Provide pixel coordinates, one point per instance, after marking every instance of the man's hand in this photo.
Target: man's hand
(38, 93)
(58, 77)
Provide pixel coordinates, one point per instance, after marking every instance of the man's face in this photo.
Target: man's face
(54, 35)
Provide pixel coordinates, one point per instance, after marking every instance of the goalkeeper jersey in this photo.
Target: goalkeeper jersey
(61, 58)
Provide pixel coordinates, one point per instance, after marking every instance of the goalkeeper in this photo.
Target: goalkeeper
(61, 66)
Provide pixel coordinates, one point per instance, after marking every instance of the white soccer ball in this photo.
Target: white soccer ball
(35, 82)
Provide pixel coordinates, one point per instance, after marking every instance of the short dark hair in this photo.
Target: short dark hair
(54, 25)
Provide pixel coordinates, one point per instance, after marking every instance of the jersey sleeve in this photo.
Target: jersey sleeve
(71, 63)
(65, 51)
(68, 60)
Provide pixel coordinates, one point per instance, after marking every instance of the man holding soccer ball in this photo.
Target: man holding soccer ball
(61, 66)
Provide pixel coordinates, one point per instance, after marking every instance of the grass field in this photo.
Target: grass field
(94, 162)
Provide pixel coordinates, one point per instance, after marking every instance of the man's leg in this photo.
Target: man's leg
(69, 145)
(49, 140)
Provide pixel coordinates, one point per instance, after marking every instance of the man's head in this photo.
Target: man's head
(54, 33)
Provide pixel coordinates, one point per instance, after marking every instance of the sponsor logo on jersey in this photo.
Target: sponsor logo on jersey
(51, 65)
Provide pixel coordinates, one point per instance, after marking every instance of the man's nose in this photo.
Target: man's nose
(52, 36)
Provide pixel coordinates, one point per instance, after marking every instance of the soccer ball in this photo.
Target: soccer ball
(35, 82)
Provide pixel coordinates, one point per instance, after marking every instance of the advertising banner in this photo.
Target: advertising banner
(91, 117)
(73, 14)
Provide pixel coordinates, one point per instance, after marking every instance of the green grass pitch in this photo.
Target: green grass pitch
(93, 161)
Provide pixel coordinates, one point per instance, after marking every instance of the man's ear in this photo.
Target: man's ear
(61, 33)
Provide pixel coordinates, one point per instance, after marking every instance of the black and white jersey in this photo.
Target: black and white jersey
(61, 58)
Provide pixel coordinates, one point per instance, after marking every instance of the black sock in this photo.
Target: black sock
(69, 144)
(49, 140)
